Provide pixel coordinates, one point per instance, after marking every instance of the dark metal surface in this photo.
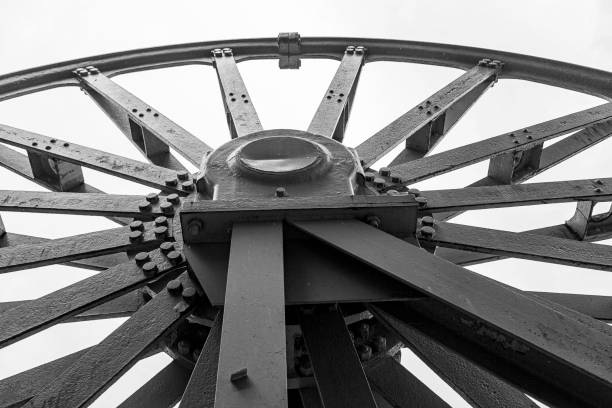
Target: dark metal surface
(253, 333)
(340, 378)
(556, 351)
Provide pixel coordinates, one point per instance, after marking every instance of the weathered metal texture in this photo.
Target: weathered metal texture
(399, 387)
(472, 198)
(215, 218)
(242, 118)
(200, 390)
(521, 139)
(332, 116)
(109, 163)
(150, 130)
(35, 315)
(340, 378)
(478, 387)
(62, 250)
(162, 391)
(560, 357)
(522, 245)
(425, 125)
(84, 203)
(314, 273)
(252, 358)
(105, 362)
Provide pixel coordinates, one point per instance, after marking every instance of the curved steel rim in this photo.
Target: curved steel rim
(516, 66)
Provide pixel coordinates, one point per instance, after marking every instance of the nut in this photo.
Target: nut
(183, 175)
(167, 208)
(427, 221)
(161, 232)
(135, 236)
(166, 247)
(174, 257)
(144, 206)
(173, 198)
(379, 182)
(141, 258)
(149, 268)
(188, 185)
(174, 287)
(281, 192)
(161, 220)
(385, 171)
(427, 232)
(189, 294)
(421, 201)
(152, 197)
(136, 225)
(171, 182)
(195, 226)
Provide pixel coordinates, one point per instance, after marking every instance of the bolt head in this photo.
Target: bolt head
(182, 175)
(195, 227)
(281, 192)
(373, 220)
(427, 232)
(171, 182)
(369, 176)
(379, 182)
(385, 171)
(149, 268)
(421, 201)
(189, 294)
(427, 221)
(161, 232)
(144, 206)
(135, 236)
(141, 258)
(167, 208)
(166, 246)
(396, 179)
(188, 185)
(414, 191)
(174, 257)
(174, 287)
(161, 220)
(152, 197)
(136, 225)
(173, 198)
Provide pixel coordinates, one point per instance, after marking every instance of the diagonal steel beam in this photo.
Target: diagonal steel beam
(340, 378)
(332, 116)
(472, 198)
(478, 387)
(554, 355)
(104, 363)
(147, 128)
(32, 316)
(522, 139)
(200, 391)
(75, 247)
(521, 245)
(133, 170)
(161, 391)
(242, 118)
(400, 387)
(252, 367)
(425, 125)
(134, 206)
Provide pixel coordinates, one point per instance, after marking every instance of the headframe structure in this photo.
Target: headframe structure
(287, 272)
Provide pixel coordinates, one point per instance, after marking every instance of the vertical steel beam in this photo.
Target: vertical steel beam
(337, 370)
(333, 113)
(241, 116)
(252, 358)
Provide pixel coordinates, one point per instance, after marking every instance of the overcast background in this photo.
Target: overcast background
(34, 33)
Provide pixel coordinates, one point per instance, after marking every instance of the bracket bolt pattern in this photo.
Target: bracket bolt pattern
(190, 294)
(427, 221)
(281, 192)
(173, 198)
(166, 246)
(136, 226)
(161, 220)
(149, 268)
(174, 257)
(174, 287)
(135, 236)
(152, 197)
(167, 208)
(427, 232)
(141, 258)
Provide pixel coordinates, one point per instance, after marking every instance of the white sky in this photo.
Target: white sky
(35, 33)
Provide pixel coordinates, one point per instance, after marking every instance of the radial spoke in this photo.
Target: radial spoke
(104, 363)
(200, 391)
(478, 387)
(144, 173)
(400, 387)
(472, 198)
(337, 370)
(252, 359)
(16, 390)
(88, 203)
(75, 247)
(333, 113)
(161, 391)
(425, 125)
(150, 131)
(35, 315)
(524, 139)
(575, 348)
(522, 245)
(242, 118)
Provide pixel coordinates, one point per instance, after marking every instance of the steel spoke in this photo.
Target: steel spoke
(242, 118)
(522, 139)
(522, 245)
(104, 363)
(337, 370)
(578, 364)
(472, 198)
(133, 170)
(150, 131)
(333, 113)
(88, 203)
(426, 124)
(200, 391)
(478, 387)
(32, 316)
(400, 387)
(252, 359)
(161, 391)
(75, 247)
